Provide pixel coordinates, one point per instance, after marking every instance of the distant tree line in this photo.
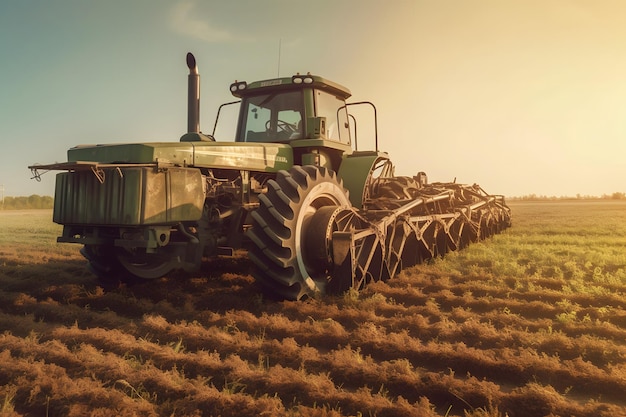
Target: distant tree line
(46, 202)
(535, 197)
(25, 203)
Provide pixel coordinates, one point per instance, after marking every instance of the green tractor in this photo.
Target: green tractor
(316, 214)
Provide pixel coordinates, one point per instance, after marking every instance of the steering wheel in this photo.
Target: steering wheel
(282, 126)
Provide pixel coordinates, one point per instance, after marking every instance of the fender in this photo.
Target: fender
(356, 171)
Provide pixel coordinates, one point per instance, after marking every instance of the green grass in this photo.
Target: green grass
(32, 234)
(581, 242)
(28, 227)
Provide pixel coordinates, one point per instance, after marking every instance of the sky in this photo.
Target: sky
(520, 96)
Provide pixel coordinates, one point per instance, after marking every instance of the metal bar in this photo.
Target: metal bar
(401, 210)
(85, 165)
(219, 109)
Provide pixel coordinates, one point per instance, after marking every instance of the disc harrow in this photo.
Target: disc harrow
(404, 223)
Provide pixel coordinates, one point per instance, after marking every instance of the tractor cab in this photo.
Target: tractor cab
(307, 112)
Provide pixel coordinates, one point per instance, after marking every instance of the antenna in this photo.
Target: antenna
(279, 45)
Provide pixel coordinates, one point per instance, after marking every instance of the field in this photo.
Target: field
(529, 323)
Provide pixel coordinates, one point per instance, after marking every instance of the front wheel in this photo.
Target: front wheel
(288, 263)
(145, 266)
(111, 264)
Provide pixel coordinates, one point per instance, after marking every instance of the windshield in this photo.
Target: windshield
(273, 117)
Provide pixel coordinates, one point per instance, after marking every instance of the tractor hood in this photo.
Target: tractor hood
(268, 157)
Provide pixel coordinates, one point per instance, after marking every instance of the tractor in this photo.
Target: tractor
(315, 213)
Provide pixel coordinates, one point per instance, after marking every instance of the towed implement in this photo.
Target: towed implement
(315, 213)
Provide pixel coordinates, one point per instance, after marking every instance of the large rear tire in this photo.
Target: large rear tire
(286, 263)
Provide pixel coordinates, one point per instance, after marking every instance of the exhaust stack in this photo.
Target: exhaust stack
(193, 96)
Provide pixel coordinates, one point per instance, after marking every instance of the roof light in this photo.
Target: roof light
(238, 86)
(302, 79)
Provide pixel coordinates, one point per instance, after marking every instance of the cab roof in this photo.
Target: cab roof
(242, 89)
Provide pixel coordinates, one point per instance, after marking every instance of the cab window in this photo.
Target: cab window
(273, 117)
(336, 114)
